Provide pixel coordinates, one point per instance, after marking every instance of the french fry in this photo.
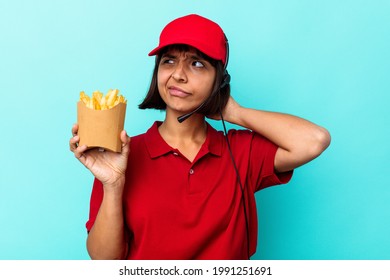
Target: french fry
(90, 104)
(96, 97)
(103, 103)
(84, 97)
(111, 96)
(98, 101)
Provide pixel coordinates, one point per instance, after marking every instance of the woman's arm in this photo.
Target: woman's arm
(106, 239)
(299, 140)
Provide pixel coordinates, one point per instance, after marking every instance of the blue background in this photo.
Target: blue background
(326, 61)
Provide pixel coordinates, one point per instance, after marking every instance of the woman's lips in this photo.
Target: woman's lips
(175, 91)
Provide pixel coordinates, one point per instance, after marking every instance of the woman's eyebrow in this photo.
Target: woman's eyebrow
(168, 55)
(196, 57)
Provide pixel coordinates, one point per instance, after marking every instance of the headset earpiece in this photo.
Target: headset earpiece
(225, 80)
(226, 76)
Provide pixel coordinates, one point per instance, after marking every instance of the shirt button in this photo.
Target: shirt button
(192, 171)
(176, 154)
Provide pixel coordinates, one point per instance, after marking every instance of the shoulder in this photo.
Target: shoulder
(250, 142)
(240, 137)
(246, 136)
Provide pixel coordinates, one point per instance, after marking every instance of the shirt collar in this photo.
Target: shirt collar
(157, 146)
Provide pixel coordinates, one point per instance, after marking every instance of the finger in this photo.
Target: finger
(73, 143)
(79, 153)
(125, 141)
(123, 136)
(75, 129)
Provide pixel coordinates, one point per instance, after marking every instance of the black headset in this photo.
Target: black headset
(225, 81)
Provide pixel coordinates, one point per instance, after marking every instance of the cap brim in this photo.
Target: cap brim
(155, 51)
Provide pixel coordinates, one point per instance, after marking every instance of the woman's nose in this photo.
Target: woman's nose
(179, 73)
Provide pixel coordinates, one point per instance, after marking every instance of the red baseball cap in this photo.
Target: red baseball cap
(195, 31)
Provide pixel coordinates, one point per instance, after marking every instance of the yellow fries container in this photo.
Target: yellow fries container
(101, 128)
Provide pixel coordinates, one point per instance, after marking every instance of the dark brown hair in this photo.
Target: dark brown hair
(217, 100)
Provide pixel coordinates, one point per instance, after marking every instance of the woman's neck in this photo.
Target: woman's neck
(193, 127)
(188, 136)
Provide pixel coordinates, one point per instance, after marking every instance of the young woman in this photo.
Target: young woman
(183, 190)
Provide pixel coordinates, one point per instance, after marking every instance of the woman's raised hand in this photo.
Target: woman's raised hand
(230, 112)
(108, 167)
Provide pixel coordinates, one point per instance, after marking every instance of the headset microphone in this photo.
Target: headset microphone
(186, 116)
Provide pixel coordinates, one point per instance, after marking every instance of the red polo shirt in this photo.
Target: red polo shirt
(177, 209)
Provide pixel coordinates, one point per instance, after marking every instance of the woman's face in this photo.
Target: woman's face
(184, 79)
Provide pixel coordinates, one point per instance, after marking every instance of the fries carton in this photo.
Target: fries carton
(101, 128)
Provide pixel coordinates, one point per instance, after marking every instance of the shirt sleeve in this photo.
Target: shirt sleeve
(262, 164)
(95, 202)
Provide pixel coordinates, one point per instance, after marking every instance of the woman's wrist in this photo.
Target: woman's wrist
(115, 188)
(233, 114)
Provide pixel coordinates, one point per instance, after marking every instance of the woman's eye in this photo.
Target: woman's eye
(167, 61)
(198, 64)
